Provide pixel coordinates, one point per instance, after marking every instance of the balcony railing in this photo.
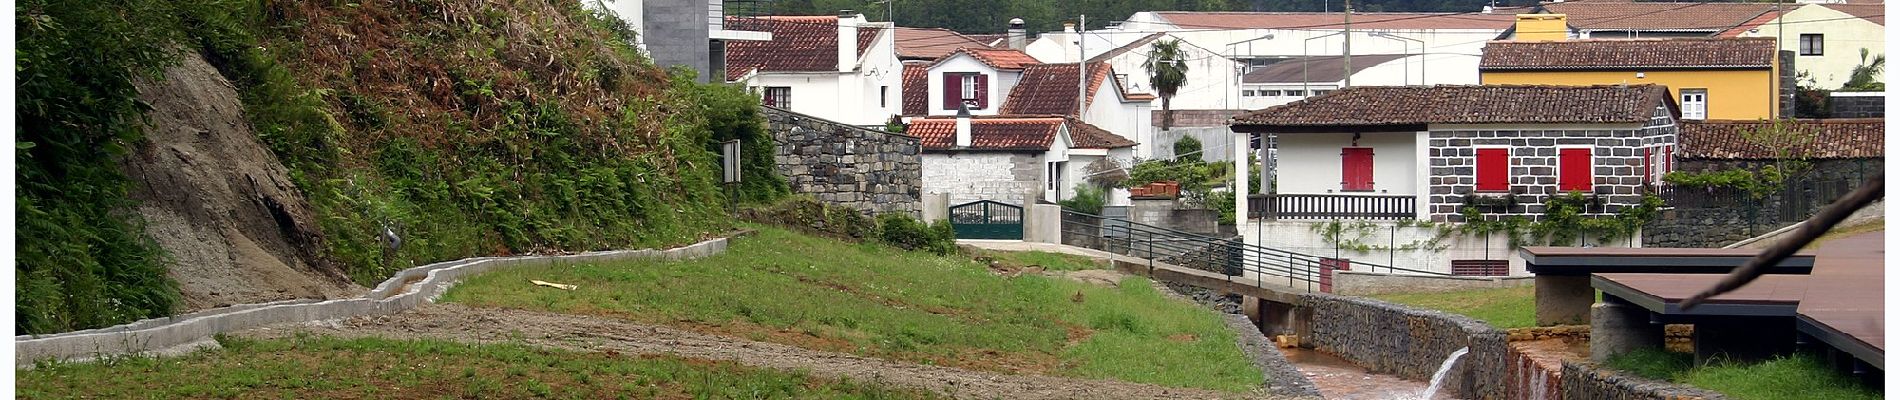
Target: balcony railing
(1332, 206)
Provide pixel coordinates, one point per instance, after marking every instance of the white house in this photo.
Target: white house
(1827, 38)
(1051, 89)
(979, 78)
(1300, 77)
(840, 68)
(1373, 156)
(1211, 76)
(1447, 46)
(1011, 159)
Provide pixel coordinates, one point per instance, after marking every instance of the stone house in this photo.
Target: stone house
(1839, 154)
(840, 68)
(1012, 159)
(1384, 154)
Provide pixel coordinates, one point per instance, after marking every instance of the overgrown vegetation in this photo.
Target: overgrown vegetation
(878, 301)
(418, 132)
(1504, 308)
(1800, 376)
(325, 367)
(1786, 143)
(1566, 220)
(811, 216)
(1088, 199)
(898, 229)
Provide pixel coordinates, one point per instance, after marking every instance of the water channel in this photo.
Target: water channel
(1338, 379)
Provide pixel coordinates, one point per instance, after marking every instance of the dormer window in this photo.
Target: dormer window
(966, 88)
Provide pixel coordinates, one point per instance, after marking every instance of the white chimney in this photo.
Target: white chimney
(1068, 27)
(1018, 37)
(847, 40)
(963, 125)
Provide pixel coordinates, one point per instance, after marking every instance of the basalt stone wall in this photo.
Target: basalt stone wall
(1857, 105)
(872, 171)
(1720, 216)
(1410, 343)
(1586, 382)
(1618, 160)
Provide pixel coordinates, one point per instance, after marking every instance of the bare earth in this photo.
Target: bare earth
(585, 333)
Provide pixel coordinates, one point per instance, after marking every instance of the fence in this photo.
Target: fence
(1227, 256)
(1330, 206)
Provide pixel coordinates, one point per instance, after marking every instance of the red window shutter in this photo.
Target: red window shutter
(1669, 159)
(982, 91)
(1494, 169)
(1646, 161)
(952, 90)
(1356, 168)
(1577, 174)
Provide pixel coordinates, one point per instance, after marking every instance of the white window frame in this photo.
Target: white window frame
(968, 90)
(1701, 111)
(783, 99)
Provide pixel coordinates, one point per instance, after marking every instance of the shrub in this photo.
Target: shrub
(1089, 199)
(905, 232)
(1185, 146)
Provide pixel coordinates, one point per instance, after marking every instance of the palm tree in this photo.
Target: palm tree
(1167, 72)
(1862, 78)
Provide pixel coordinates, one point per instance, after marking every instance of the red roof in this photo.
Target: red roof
(1738, 30)
(916, 88)
(1656, 16)
(1832, 138)
(988, 133)
(1087, 136)
(1002, 58)
(1630, 53)
(1334, 20)
(1049, 89)
(799, 44)
(1487, 104)
(1876, 12)
(931, 43)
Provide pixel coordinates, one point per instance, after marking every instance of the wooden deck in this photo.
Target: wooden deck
(1844, 305)
(1769, 296)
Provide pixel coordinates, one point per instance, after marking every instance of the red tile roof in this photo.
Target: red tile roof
(916, 88)
(988, 133)
(1738, 30)
(1630, 53)
(1048, 89)
(1708, 16)
(1832, 138)
(1876, 13)
(799, 44)
(931, 43)
(1334, 20)
(1005, 59)
(1489, 104)
(1088, 136)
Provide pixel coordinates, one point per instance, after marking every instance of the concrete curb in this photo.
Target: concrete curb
(406, 290)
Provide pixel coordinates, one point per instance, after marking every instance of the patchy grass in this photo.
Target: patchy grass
(878, 301)
(312, 367)
(1795, 377)
(1504, 308)
(1049, 260)
(1844, 231)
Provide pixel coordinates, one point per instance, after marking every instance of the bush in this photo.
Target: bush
(1187, 144)
(1089, 199)
(905, 232)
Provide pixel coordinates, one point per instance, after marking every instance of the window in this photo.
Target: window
(1695, 103)
(969, 87)
(965, 88)
(1296, 93)
(1248, 93)
(1356, 169)
(1274, 93)
(1494, 169)
(1055, 175)
(778, 96)
(883, 96)
(1317, 92)
(1811, 44)
(1574, 169)
(1649, 158)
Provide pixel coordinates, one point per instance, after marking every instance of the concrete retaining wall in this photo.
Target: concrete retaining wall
(1354, 283)
(405, 290)
(1583, 381)
(1408, 342)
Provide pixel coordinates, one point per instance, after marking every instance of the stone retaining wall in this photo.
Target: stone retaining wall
(1354, 283)
(405, 290)
(1857, 105)
(1408, 342)
(1717, 217)
(1582, 381)
(872, 171)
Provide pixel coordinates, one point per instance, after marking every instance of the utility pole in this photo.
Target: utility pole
(1348, 49)
(1082, 68)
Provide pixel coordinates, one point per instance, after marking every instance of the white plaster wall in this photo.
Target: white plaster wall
(1125, 119)
(961, 63)
(1310, 162)
(813, 93)
(969, 176)
(1842, 37)
(1211, 77)
(1305, 238)
(846, 97)
(1216, 143)
(1450, 56)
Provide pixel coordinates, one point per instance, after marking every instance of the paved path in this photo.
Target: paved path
(1278, 284)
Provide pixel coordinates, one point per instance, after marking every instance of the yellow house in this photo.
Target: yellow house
(1711, 78)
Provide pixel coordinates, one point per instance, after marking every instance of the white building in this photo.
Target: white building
(980, 79)
(1018, 160)
(1301, 77)
(1447, 45)
(1051, 90)
(1827, 38)
(840, 68)
(1212, 78)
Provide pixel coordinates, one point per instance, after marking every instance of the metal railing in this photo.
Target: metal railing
(1230, 256)
(1331, 206)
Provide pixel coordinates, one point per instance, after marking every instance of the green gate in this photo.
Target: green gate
(985, 219)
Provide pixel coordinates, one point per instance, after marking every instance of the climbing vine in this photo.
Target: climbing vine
(1353, 235)
(1565, 220)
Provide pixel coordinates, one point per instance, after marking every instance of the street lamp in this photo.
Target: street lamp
(1241, 73)
(1305, 56)
(1408, 63)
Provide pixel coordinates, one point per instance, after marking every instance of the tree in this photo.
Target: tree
(1862, 79)
(1187, 146)
(1167, 73)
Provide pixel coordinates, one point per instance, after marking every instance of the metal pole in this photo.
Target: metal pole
(1348, 49)
(1392, 250)
(1082, 67)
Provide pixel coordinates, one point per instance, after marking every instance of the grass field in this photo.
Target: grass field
(1796, 378)
(328, 368)
(1049, 260)
(1504, 308)
(879, 301)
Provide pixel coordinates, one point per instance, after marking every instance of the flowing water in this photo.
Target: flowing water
(1438, 378)
(1338, 379)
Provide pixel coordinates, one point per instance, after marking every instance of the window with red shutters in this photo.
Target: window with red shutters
(1356, 169)
(1494, 170)
(1574, 168)
(982, 91)
(952, 90)
(1646, 162)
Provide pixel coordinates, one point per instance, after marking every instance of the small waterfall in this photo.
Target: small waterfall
(1438, 378)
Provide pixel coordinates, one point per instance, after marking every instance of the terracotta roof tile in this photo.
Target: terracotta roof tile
(997, 58)
(1632, 53)
(1834, 138)
(1197, 118)
(931, 43)
(1738, 30)
(1657, 16)
(1047, 89)
(1408, 105)
(1334, 20)
(799, 43)
(1088, 136)
(988, 133)
(1876, 13)
(916, 88)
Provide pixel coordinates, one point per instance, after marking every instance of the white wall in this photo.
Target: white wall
(846, 97)
(962, 63)
(1211, 78)
(972, 176)
(1302, 237)
(1310, 162)
(1125, 119)
(1842, 37)
(1453, 53)
(1216, 143)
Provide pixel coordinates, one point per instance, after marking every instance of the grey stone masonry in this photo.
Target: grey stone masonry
(1857, 105)
(1618, 165)
(872, 171)
(1716, 217)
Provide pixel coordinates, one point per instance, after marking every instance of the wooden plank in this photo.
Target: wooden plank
(1846, 303)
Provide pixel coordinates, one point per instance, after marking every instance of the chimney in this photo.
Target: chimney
(963, 125)
(1542, 27)
(1068, 27)
(1018, 37)
(847, 40)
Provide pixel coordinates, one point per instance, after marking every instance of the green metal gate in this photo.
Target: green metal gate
(985, 219)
